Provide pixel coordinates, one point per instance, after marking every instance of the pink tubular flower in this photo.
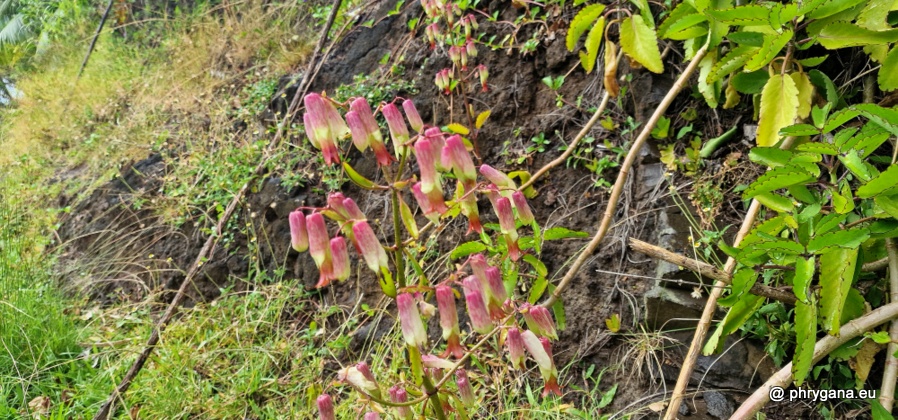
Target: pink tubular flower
(469, 209)
(371, 415)
(325, 407)
(398, 129)
(399, 395)
(430, 179)
(515, 348)
(324, 126)
(502, 181)
(465, 390)
(455, 54)
(411, 113)
(299, 235)
(412, 328)
(432, 361)
(437, 142)
(520, 203)
(484, 74)
(369, 247)
(357, 128)
(340, 259)
(371, 130)
(477, 312)
(449, 321)
(539, 320)
(431, 204)
(478, 266)
(361, 380)
(509, 231)
(497, 293)
(458, 158)
(444, 80)
(319, 248)
(431, 31)
(471, 48)
(542, 353)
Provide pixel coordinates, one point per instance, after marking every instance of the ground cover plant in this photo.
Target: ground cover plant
(309, 217)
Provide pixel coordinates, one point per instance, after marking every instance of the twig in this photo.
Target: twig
(887, 394)
(93, 42)
(106, 410)
(708, 270)
(704, 323)
(783, 377)
(618, 188)
(875, 265)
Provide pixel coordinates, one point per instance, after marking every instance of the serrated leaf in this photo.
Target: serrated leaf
(888, 203)
(838, 119)
(408, 219)
(849, 238)
(750, 83)
(458, 129)
(687, 27)
(783, 246)
(776, 202)
(799, 130)
(884, 181)
(537, 289)
(743, 280)
(776, 178)
(466, 249)
(562, 233)
(748, 15)
(856, 165)
(583, 21)
(773, 44)
(732, 60)
(801, 281)
(825, 84)
(481, 119)
(732, 97)
(710, 91)
(743, 309)
(805, 93)
(809, 5)
(872, 135)
(640, 43)
(752, 39)
(843, 35)
(813, 61)
(592, 44)
(613, 325)
(805, 337)
(831, 7)
(682, 10)
(357, 178)
(770, 156)
(829, 222)
(837, 269)
(779, 107)
(818, 148)
(558, 311)
(843, 202)
(887, 118)
(883, 228)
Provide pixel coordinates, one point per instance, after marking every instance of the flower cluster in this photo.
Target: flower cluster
(456, 36)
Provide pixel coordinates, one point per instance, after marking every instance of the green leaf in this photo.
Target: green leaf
(881, 337)
(558, 311)
(358, 179)
(813, 61)
(773, 44)
(829, 222)
(562, 233)
(583, 21)
(710, 91)
(743, 280)
(776, 178)
(537, 265)
(843, 35)
(799, 130)
(830, 8)
(838, 119)
(818, 148)
(888, 203)
(408, 219)
(734, 59)
(770, 156)
(466, 249)
(843, 202)
(878, 412)
(856, 165)
(810, 5)
(639, 42)
(748, 15)
(849, 238)
(779, 107)
(735, 317)
(538, 289)
(805, 338)
(826, 85)
(836, 275)
(683, 10)
(805, 93)
(592, 44)
(752, 39)
(888, 73)
(801, 281)
(776, 202)
(872, 135)
(884, 181)
(886, 117)
(750, 83)
(687, 27)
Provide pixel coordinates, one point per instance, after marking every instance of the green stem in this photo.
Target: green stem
(434, 397)
(397, 238)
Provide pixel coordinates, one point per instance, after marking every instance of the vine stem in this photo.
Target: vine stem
(783, 377)
(704, 323)
(887, 392)
(618, 188)
(106, 411)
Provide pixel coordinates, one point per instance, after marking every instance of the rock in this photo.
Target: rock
(718, 405)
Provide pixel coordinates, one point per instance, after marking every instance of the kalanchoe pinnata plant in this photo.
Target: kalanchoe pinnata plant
(441, 175)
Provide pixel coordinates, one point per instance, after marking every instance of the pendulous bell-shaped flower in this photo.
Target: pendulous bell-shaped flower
(515, 345)
(371, 415)
(357, 128)
(430, 178)
(325, 407)
(433, 205)
(449, 321)
(509, 230)
(471, 48)
(344, 207)
(340, 255)
(431, 361)
(477, 312)
(398, 129)
(360, 378)
(319, 248)
(542, 354)
(411, 113)
(520, 204)
(437, 142)
(399, 395)
(324, 126)
(539, 320)
(505, 184)
(371, 130)
(412, 328)
(484, 74)
(465, 390)
(456, 157)
(497, 294)
(299, 234)
(369, 247)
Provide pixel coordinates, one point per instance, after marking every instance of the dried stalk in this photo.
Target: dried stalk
(106, 410)
(618, 188)
(783, 377)
(707, 270)
(887, 392)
